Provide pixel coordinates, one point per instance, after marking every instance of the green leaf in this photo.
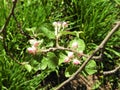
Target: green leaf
(28, 67)
(67, 32)
(91, 67)
(52, 60)
(62, 57)
(70, 70)
(44, 63)
(47, 32)
(81, 44)
(31, 29)
(50, 44)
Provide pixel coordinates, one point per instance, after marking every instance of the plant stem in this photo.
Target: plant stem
(90, 57)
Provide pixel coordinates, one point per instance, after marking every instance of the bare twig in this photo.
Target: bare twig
(69, 49)
(103, 43)
(57, 48)
(111, 71)
(4, 31)
(6, 24)
(20, 28)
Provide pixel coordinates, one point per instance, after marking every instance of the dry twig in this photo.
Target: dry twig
(4, 31)
(111, 71)
(101, 46)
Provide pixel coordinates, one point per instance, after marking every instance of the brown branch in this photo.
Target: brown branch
(4, 31)
(20, 28)
(57, 48)
(69, 49)
(90, 57)
(111, 71)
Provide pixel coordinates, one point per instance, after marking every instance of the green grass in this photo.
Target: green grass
(93, 18)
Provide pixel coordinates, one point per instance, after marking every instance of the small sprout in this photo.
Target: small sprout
(70, 54)
(75, 45)
(76, 62)
(28, 67)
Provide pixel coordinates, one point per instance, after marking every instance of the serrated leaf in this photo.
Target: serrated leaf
(91, 67)
(81, 44)
(50, 44)
(28, 67)
(47, 32)
(44, 63)
(62, 57)
(52, 60)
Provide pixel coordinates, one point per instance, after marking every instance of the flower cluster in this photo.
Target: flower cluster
(59, 25)
(70, 56)
(34, 44)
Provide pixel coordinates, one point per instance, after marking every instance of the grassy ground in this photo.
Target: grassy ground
(91, 19)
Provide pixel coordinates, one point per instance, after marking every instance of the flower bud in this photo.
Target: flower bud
(75, 45)
(54, 24)
(70, 54)
(34, 42)
(67, 59)
(76, 61)
(13, 1)
(80, 53)
(64, 25)
(32, 50)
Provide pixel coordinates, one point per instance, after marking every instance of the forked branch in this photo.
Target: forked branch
(102, 45)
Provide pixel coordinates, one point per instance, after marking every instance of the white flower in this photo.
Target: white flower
(32, 50)
(75, 45)
(58, 25)
(34, 42)
(54, 24)
(70, 54)
(67, 59)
